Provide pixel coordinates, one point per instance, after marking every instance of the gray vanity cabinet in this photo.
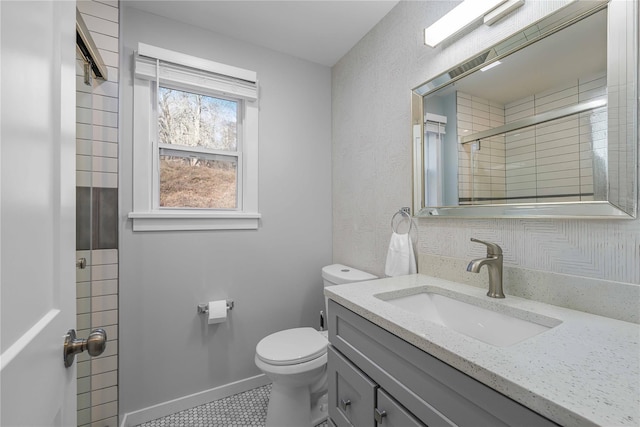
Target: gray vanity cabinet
(355, 400)
(385, 373)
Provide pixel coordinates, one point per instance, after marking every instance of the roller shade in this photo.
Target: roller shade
(192, 72)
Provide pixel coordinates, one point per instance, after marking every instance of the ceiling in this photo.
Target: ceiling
(320, 31)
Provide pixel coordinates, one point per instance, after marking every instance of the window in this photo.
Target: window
(195, 143)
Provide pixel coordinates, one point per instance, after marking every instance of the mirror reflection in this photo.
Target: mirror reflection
(530, 127)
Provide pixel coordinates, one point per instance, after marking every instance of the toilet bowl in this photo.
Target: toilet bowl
(296, 362)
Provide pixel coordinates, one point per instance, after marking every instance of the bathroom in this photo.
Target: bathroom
(332, 173)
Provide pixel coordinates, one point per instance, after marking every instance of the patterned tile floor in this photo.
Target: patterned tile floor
(241, 410)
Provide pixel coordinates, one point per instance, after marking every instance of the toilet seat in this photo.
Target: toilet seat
(292, 346)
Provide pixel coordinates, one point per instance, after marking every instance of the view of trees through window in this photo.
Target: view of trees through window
(200, 123)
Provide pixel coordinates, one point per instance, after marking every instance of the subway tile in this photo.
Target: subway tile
(99, 10)
(107, 422)
(573, 149)
(525, 185)
(104, 318)
(569, 144)
(553, 191)
(517, 179)
(565, 137)
(84, 416)
(106, 410)
(105, 43)
(556, 94)
(104, 395)
(84, 401)
(103, 302)
(557, 125)
(573, 173)
(84, 115)
(524, 149)
(555, 167)
(84, 385)
(104, 256)
(84, 367)
(83, 321)
(105, 179)
(104, 118)
(592, 94)
(83, 163)
(104, 287)
(104, 272)
(104, 164)
(83, 289)
(520, 157)
(513, 116)
(513, 170)
(83, 305)
(464, 117)
(464, 110)
(104, 149)
(109, 58)
(565, 102)
(107, 379)
(102, 26)
(104, 364)
(104, 103)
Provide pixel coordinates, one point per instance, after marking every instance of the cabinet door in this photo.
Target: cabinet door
(351, 393)
(389, 413)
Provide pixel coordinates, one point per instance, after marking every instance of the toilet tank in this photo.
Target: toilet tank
(338, 274)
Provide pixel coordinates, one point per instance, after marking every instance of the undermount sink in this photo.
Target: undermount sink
(483, 324)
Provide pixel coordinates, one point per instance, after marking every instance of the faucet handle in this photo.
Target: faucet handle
(492, 248)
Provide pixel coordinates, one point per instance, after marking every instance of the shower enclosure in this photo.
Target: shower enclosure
(96, 209)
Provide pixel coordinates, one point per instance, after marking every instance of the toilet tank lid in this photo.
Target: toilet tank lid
(339, 274)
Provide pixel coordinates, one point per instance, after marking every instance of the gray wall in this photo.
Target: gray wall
(273, 274)
(372, 159)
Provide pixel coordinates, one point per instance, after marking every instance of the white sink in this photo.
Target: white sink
(483, 324)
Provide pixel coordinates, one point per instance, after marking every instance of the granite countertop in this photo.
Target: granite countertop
(585, 371)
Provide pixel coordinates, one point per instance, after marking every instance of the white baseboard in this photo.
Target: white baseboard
(171, 407)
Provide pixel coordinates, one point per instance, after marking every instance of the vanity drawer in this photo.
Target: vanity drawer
(395, 415)
(352, 394)
(436, 393)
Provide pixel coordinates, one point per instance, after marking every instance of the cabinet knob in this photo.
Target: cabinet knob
(379, 415)
(344, 404)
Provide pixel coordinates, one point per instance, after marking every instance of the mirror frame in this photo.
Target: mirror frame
(622, 129)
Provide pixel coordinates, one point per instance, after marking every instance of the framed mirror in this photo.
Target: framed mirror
(543, 124)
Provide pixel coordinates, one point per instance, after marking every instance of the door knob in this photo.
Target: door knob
(94, 344)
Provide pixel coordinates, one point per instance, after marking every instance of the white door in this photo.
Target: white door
(37, 211)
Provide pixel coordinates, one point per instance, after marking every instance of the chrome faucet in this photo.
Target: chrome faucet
(493, 261)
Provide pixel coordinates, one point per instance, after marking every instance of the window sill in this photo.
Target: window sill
(186, 221)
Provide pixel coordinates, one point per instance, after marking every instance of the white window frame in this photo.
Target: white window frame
(156, 66)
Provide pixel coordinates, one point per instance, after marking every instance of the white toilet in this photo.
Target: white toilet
(296, 362)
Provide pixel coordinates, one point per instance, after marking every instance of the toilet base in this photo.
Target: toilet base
(320, 410)
(289, 407)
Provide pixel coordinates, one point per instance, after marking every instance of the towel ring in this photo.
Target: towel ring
(402, 213)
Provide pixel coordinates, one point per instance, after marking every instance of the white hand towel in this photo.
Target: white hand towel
(400, 257)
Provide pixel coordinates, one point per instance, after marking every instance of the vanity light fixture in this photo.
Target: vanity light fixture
(459, 18)
(501, 11)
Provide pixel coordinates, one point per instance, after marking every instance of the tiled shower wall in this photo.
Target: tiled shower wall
(555, 161)
(96, 218)
(482, 166)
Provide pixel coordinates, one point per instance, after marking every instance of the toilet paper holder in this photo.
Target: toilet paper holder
(204, 308)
